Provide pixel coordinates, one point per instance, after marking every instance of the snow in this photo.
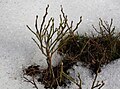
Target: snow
(17, 50)
(109, 74)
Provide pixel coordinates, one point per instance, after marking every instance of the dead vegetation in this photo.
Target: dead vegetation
(93, 51)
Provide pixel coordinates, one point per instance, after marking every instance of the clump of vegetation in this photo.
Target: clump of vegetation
(93, 51)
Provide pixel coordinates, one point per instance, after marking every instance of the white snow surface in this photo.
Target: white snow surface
(17, 50)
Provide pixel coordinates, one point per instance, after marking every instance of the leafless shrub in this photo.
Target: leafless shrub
(48, 37)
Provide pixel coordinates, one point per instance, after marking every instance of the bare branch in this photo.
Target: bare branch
(36, 24)
(31, 30)
(44, 19)
(40, 47)
(31, 81)
(78, 24)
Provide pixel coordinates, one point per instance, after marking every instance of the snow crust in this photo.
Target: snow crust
(17, 50)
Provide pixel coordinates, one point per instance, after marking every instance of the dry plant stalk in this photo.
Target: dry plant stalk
(31, 81)
(98, 85)
(32, 71)
(48, 36)
(107, 34)
(105, 28)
